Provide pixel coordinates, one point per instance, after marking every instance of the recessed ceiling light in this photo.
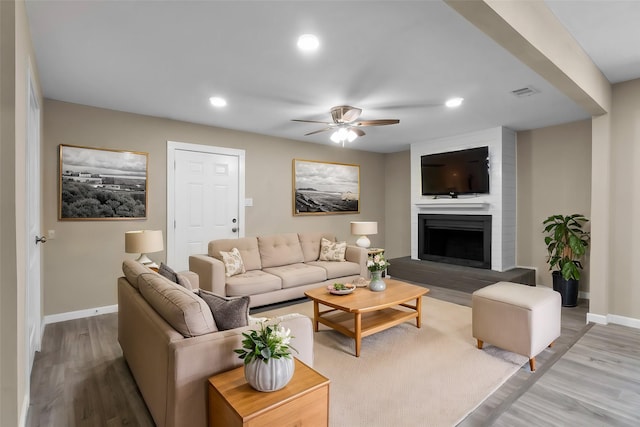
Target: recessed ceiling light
(308, 42)
(217, 101)
(454, 102)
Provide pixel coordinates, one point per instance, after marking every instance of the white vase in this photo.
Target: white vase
(270, 376)
(377, 284)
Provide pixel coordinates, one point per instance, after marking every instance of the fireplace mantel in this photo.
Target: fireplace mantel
(452, 204)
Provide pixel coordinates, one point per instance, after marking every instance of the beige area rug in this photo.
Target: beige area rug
(405, 376)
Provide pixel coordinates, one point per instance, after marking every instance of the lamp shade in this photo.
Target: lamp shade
(143, 241)
(364, 228)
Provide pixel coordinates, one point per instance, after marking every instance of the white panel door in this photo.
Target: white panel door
(206, 201)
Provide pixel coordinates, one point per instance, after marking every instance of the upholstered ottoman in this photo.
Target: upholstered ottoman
(518, 318)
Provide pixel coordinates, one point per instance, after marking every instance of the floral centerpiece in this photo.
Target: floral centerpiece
(377, 262)
(266, 352)
(376, 265)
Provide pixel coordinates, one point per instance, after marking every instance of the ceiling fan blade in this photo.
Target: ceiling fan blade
(312, 121)
(318, 131)
(358, 131)
(380, 122)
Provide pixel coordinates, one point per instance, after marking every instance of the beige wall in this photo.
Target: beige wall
(95, 249)
(624, 276)
(16, 53)
(397, 204)
(548, 184)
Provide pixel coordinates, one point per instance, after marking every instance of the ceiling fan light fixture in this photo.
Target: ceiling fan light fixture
(343, 135)
(454, 102)
(218, 101)
(308, 42)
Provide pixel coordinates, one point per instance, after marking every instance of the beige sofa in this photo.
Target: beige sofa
(171, 355)
(278, 267)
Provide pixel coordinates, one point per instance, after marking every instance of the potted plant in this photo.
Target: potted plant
(376, 265)
(567, 242)
(268, 365)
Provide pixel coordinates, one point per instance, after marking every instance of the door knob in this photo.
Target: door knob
(42, 239)
(234, 229)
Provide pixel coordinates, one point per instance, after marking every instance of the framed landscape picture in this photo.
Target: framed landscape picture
(321, 188)
(102, 184)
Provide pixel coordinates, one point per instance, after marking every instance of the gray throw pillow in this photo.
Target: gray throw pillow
(229, 313)
(168, 272)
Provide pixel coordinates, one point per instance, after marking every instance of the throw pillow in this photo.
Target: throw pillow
(332, 251)
(178, 278)
(168, 272)
(232, 262)
(229, 313)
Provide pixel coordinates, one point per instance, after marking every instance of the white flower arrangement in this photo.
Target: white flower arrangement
(377, 263)
(269, 342)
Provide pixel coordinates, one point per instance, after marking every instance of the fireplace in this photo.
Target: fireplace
(455, 239)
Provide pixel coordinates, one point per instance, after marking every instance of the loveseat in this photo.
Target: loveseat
(170, 341)
(278, 267)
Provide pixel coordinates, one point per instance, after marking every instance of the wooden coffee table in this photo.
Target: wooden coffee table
(364, 312)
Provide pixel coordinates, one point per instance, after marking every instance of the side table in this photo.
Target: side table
(304, 401)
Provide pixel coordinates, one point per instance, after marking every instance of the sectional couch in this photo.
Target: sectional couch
(277, 267)
(172, 344)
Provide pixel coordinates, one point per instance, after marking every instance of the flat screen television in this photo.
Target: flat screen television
(456, 172)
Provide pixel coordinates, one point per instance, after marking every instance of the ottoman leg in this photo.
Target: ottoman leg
(532, 364)
(480, 343)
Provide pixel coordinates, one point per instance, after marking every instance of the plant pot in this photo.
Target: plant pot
(377, 284)
(270, 376)
(568, 289)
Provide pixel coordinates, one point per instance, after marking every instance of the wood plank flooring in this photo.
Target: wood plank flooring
(590, 377)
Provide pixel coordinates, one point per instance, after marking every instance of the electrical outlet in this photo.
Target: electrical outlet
(51, 234)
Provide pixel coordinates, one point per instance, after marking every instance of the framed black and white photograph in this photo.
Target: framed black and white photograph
(102, 184)
(325, 188)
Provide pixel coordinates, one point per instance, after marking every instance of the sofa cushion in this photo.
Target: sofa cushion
(310, 242)
(132, 269)
(332, 251)
(179, 278)
(247, 246)
(229, 313)
(251, 283)
(293, 275)
(232, 262)
(280, 249)
(338, 269)
(185, 311)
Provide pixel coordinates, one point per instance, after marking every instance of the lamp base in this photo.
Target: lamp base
(146, 261)
(363, 242)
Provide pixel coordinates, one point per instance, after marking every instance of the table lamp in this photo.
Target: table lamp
(143, 242)
(364, 229)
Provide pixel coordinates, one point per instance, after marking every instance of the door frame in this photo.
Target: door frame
(172, 147)
(33, 176)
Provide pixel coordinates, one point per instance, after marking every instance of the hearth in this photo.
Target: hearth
(455, 239)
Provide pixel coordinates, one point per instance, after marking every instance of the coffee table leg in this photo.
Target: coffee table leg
(358, 330)
(316, 315)
(419, 310)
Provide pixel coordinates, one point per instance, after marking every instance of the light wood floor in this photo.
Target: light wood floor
(591, 377)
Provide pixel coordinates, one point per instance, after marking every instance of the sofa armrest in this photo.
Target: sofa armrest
(193, 278)
(196, 359)
(211, 273)
(358, 255)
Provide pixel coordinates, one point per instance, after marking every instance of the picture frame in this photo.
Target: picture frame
(102, 184)
(321, 188)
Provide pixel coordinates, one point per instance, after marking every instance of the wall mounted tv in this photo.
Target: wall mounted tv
(456, 172)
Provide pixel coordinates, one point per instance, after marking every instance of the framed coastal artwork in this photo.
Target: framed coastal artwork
(321, 188)
(102, 184)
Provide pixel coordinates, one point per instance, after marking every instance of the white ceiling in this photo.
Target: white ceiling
(393, 59)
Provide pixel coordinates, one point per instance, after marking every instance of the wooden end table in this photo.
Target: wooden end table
(304, 401)
(364, 312)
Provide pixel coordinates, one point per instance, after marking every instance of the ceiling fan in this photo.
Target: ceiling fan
(345, 124)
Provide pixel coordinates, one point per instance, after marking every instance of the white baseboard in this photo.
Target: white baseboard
(71, 315)
(583, 295)
(615, 319)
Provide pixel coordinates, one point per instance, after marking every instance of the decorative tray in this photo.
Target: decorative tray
(348, 288)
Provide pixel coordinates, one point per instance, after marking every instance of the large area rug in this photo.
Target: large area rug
(405, 376)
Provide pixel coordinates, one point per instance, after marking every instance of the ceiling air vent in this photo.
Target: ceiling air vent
(525, 91)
